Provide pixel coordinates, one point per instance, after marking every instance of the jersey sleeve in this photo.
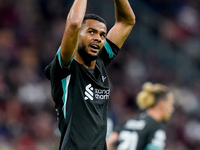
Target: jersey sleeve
(56, 69)
(156, 140)
(109, 51)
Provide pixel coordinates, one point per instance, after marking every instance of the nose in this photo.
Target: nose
(97, 37)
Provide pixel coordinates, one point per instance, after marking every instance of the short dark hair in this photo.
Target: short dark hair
(94, 17)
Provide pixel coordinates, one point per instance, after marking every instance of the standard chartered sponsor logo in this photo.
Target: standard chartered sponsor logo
(98, 93)
(102, 94)
(89, 92)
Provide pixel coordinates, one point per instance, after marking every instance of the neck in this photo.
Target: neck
(155, 113)
(85, 63)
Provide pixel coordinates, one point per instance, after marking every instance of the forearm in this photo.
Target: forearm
(124, 22)
(124, 12)
(77, 12)
(72, 29)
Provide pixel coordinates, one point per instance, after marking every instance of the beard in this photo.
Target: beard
(84, 54)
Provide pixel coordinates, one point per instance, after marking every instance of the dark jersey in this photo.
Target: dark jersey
(81, 98)
(142, 133)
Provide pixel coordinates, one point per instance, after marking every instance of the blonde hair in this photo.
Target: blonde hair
(151, 94)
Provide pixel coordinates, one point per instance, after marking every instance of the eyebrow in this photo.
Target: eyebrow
(96, 30)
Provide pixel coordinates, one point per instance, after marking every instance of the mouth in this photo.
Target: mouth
(95, 47)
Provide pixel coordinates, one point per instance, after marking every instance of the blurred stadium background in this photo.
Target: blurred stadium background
(163, 47)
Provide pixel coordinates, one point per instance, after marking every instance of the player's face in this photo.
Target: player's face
(92, 38)
(168, 107)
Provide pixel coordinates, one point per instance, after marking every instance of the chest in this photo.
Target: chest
(90, 84)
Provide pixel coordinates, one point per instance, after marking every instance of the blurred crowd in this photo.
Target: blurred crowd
(163, 47)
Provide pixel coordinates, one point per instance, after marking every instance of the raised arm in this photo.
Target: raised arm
(73, 24)
(125, 20)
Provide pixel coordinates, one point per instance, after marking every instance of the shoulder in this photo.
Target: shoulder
(57, 70)
(110, 49)
(109, 45)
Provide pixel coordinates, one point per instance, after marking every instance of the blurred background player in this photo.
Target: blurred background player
(147, 131)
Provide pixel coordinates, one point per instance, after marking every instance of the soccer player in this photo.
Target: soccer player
(147, 131)
(79, 83)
